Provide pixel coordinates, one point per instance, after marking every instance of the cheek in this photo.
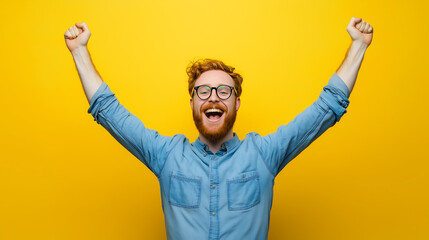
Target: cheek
(233, 107)
(196, 106)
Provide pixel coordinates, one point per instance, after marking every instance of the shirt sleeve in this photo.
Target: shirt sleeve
(146, 144)
(279, 148)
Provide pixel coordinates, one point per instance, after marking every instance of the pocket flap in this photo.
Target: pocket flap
(243, 191)
(185, 191)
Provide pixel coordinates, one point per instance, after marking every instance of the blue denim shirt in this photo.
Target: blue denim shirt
(222, 195)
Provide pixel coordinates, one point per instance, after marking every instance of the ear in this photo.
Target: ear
(192, 104)
(237, 103)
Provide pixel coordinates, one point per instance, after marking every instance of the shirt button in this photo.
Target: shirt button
(215, 158)
(204, 153)
(244, 175)
(213, 213)
(214, 185)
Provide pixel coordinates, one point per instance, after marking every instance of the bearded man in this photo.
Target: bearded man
(218, 187)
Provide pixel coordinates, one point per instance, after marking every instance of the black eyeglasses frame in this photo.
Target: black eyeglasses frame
(211, 90)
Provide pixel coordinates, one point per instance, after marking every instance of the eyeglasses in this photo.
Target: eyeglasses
(222, 91)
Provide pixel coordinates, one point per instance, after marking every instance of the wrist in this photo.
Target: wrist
(359, 44)
(79, 51)
(357, 49)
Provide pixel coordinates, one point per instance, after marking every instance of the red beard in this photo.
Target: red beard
(222, 131)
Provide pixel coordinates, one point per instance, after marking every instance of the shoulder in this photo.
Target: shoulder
(252, 138)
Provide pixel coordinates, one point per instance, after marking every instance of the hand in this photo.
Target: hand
(360, 31)
(77, 36)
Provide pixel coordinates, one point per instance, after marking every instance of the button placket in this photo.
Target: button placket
(214, 197)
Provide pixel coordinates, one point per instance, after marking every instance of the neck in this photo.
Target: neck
(216, 145)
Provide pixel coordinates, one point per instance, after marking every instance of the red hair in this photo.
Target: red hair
(195, 69)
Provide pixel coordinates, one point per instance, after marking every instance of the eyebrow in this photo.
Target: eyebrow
(213, 86)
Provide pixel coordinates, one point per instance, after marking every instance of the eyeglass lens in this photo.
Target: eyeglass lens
(223, 92)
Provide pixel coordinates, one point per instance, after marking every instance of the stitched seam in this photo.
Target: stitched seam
(245, 207)
(183, 206)
(260, 153)
(329, 108)
(186, 179)
(339, 96)
(135, 147)
(337, 115)
(308, 133)
(337, 91)
(168, 154)
(242, 180)
(122, 135)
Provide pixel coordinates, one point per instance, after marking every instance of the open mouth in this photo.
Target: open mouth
(213, 114)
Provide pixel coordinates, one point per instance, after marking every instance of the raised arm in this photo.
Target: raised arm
(76, 40)
(146, 144)
(279, 148)
(361, 34)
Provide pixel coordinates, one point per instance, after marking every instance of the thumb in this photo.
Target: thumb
(82, 26)
(354, 21)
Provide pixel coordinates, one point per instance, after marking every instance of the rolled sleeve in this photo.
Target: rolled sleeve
(335, 96)
(337, 82)
(94, 106)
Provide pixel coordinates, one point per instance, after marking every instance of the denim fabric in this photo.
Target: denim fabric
(222, 195)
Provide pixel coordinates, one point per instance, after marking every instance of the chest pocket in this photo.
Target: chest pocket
(243, 191)
(185, 191)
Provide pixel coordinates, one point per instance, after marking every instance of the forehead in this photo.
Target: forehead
(214, 78)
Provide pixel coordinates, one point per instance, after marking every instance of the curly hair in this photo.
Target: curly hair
(196, 68)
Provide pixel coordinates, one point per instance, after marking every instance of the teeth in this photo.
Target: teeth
(213, 110)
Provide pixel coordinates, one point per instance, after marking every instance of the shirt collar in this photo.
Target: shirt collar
(228, 145)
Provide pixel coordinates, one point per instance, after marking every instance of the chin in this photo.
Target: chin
(214, 129)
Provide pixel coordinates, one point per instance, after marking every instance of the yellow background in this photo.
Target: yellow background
(62, 176)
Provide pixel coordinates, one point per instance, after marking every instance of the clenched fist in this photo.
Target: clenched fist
(77, 36)
(360, 31)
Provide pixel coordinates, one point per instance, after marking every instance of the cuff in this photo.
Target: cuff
(338, 83)
(335, 95)
(95, 104)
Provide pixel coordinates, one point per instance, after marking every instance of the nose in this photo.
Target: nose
(213, 97)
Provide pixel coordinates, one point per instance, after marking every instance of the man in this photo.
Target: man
(218, 187)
